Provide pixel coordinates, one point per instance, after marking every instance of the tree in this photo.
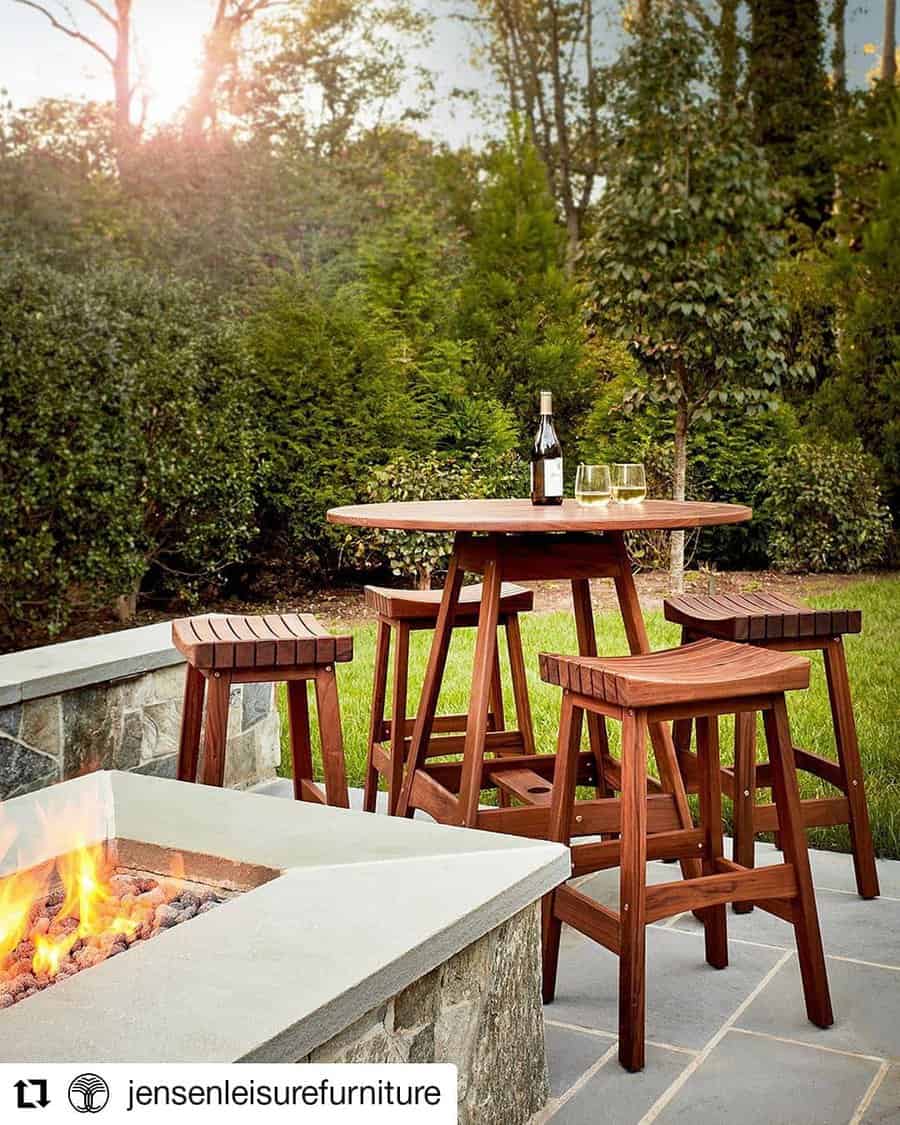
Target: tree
(839, 48)
(790, 99)
(889, 46)
(543, 53)
(219, 53)
(684, 256)
(520, 309)
(325, 71)
(864, 399)
(116, 16)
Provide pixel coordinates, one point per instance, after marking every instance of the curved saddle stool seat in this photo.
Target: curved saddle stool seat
(778, 624)
(700, 681)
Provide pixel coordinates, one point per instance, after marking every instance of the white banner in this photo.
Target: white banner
(211, 1093)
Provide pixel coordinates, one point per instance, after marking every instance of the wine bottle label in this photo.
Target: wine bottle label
(553, 476)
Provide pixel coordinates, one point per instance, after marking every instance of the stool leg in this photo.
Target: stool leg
(744, 794)
(632, 890)
(379, 690)
(216, 735)
(564, 776)
(793, 838)
(714, 917)
(191, 721)
(519, 683)
(587, 646)
(398, 715)
(851, 768)
(301, 743)
(496, 718)
(331, 738)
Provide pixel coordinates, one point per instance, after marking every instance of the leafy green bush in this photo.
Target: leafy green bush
(825, 509)
(730, 456)
(125, 441)
(415, 556)
(332, 394)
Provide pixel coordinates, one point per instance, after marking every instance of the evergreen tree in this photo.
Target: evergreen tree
(789, 89)
(518, 305)
(864, 400)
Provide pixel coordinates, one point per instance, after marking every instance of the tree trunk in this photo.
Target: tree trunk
(839, 50)
(728, 53)
(889, 50)
(676, 565)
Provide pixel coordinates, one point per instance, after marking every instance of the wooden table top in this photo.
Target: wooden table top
(523, 516)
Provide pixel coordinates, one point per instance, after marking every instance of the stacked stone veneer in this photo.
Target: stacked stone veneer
(480, 1010)
(123, 723)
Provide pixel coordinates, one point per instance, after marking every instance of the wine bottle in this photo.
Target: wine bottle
(546, 458)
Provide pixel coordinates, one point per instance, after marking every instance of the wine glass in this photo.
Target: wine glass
(593, 486)
(629, 484)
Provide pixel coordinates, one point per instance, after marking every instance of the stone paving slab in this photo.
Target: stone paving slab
(612, 1096)
(866, 1003)
(748, 1053)
(747, 1080)
(884, 1108)
(687, 1001)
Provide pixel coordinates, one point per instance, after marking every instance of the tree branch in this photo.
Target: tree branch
(72, 32)
(102, 12)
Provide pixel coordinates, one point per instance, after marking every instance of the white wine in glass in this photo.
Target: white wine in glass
(593, 486)
(629, 484)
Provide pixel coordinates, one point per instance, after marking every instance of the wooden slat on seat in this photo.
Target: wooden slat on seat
(423, 605)
(240, 641)
(758, 617)
(706, 670)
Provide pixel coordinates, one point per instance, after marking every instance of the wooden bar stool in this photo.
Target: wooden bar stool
(234, 649)
(777, 623)
(399, 613)
(701, 681)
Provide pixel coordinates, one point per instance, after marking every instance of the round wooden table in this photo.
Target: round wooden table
(511, 540)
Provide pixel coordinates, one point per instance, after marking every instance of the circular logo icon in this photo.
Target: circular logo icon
(88, 1093)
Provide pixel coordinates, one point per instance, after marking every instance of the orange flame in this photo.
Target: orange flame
(92, 909)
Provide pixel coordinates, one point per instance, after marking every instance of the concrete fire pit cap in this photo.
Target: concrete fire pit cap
(365, 905)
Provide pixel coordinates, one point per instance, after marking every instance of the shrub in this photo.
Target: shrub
(415, 556)
(333, 397)
(825, 509)
(124, 440)
(730, 455)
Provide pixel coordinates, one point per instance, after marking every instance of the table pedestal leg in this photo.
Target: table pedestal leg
(431, 686)
(479, 701)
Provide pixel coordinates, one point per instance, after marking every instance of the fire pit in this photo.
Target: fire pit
(232, 926)
(76, 910)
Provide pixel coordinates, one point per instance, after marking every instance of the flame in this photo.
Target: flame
(18, 894)
(91, 909)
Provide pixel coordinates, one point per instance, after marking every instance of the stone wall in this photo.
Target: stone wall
(480, 1010)
(129, 723)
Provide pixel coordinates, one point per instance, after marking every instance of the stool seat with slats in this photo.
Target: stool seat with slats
(227, 649)
(777, 624)
(401, 612)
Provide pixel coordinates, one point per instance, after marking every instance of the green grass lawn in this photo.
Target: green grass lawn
(873, 658)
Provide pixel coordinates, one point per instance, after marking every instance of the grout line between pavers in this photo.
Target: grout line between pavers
(857, 961)
(552, 1108)
(811, 1046)
(737, 940)
(867, 1097)
(600, 1034)
(855, 894)
(663, 1100)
